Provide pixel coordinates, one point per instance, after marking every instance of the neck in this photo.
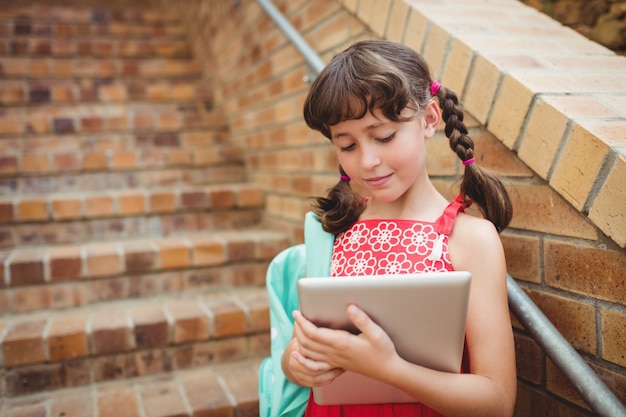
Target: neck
(418, 203)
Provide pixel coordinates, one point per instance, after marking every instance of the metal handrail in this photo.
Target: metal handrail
(564, 356)
(597, 395)
(314, 62)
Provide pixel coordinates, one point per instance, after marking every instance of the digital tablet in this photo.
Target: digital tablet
(423, 314)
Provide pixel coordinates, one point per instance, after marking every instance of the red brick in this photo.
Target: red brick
(124, 160)
(197, 385)
(30, 299)
(250, 197)
(67, 162)
(162, 202)
(162, 399)
(24, 343)
(65, 263)
(131, 203)
(193, 199)
(67, 337)
(207, 251)
(94, 161)
(229, 319)
(190, 321)
(117, 402)
(6, 212)
(99, 206)
(258, 310)
(27, 410)
(67, 208)
(76, 404)
(172, 253)
(572, 267)
(242, 382)
(103, 259)
(150, 326)
(8, 165)
(110, 331)
(29, 210)
(27, 267)
(221, 198)
(613, 342)
(139, 256)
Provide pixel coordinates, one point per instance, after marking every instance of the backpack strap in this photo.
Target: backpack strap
(319, 246)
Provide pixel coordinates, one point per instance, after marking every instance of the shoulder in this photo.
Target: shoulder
(474, 240)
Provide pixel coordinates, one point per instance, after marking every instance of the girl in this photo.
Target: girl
(377, 104)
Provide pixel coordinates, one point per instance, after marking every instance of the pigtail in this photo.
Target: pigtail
(340, 208)
(479, 185)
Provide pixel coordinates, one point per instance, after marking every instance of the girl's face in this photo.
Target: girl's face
(383, 157)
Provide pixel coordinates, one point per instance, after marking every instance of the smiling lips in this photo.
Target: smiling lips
(377, 181)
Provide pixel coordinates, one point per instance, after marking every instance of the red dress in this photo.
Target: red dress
(377, 247)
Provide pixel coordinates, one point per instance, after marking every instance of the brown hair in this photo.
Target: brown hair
(378, 74)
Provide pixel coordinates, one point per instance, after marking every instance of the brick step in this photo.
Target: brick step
(99, 47)
(90, 90)
(125, 340)
(104, 216)
(103, 117)
(93, 292)
(229, 389)
(33, 18)
(34, 68)
(130, 179)
(151, 151)
(45, 265)
(99, 204)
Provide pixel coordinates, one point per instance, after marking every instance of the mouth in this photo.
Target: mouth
(377, 181)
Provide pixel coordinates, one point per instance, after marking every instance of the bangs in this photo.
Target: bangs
(353, 88)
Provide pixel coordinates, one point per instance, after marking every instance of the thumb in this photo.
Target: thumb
(360, 319)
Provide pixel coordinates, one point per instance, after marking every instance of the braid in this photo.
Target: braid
(482, 187)
(340, 208)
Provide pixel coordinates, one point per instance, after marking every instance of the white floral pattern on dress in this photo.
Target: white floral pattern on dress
(387, 247)
(384, 237)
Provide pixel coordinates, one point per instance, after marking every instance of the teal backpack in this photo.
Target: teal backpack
(278, 396)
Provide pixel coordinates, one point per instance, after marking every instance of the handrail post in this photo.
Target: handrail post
(564, 356)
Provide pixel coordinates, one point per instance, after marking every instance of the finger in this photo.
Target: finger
(361, 320)
(315, 373)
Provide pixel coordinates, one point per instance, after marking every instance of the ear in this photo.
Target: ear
(432, 118)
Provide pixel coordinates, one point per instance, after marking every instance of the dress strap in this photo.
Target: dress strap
(445, 222)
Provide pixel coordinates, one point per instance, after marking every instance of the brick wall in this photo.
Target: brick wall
(547, 109)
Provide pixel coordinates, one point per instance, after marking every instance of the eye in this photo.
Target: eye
(347, 148)
(387, 139)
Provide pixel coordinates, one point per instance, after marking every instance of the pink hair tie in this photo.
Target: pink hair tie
(434, 88)
(345, 178)
(469, 161)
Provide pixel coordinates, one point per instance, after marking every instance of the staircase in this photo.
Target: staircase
(132, 248)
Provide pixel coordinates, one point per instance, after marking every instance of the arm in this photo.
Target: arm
(489, 389)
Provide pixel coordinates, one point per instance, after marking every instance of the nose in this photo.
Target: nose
(370, 157)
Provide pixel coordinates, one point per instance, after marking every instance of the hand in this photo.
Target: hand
(307, 372)
(340, 349)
